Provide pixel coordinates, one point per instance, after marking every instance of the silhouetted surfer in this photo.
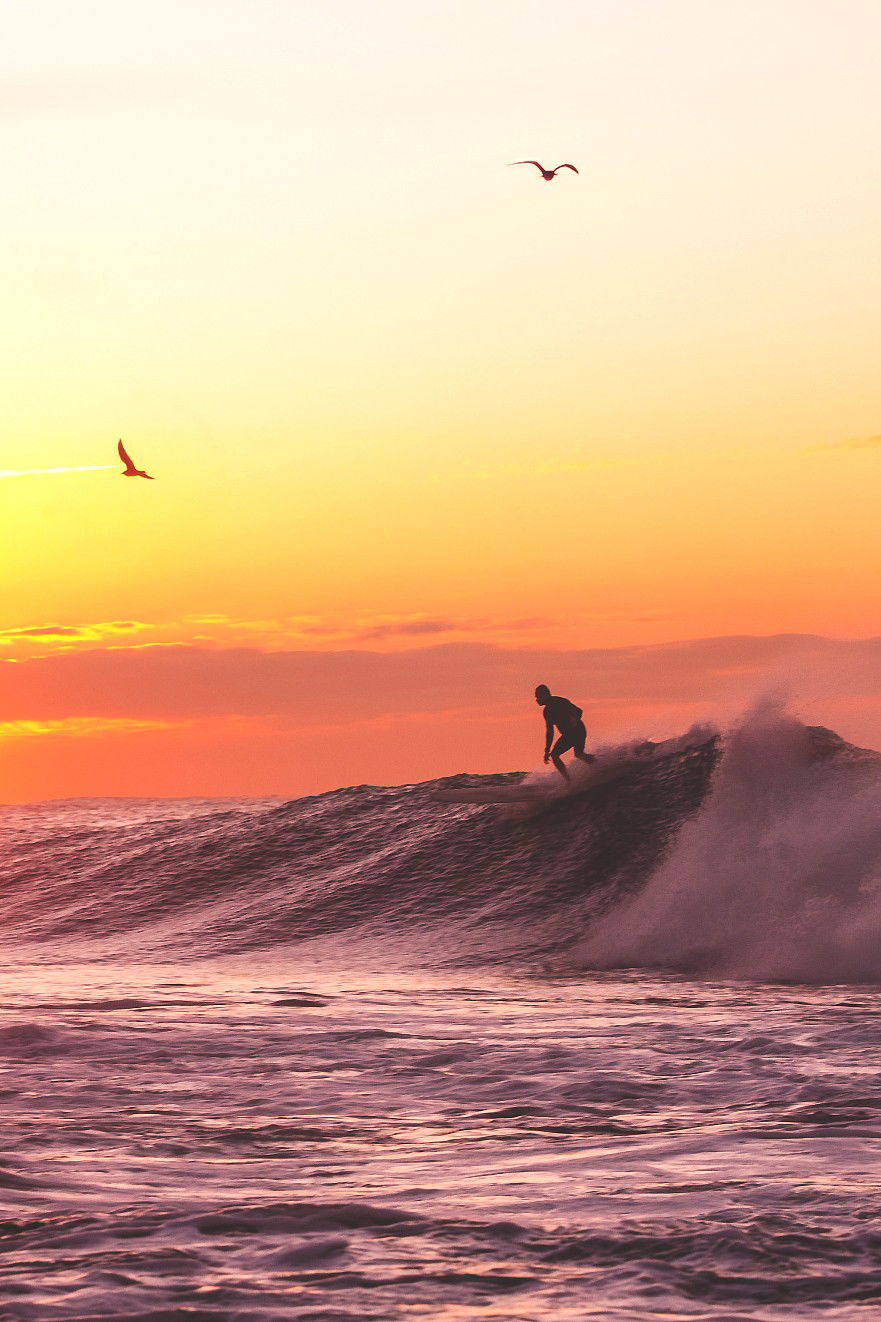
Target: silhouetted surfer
(563, 715)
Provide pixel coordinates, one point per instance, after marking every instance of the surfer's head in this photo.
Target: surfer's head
(542, 693)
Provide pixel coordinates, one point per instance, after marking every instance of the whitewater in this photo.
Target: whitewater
(365, 1056)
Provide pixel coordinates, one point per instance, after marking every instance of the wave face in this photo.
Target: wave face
(384, 864)
(756, 855)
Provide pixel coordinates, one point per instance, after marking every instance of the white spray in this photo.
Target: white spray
(777, 877)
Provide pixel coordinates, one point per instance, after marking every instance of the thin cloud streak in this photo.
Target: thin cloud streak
(67, 634)
(856, 443)
(42, 472)
(362, 628)
(82, 727)
(867, 443)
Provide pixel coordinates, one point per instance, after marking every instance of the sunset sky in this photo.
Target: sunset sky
(428, 430)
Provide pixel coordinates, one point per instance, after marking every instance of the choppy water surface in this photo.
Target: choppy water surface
(235, 1087)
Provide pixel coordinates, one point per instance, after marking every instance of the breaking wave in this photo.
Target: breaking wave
(754, 855)
(778, 876)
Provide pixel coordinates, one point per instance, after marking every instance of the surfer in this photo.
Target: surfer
(563, 715)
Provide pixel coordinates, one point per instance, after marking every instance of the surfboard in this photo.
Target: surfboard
(603, 770)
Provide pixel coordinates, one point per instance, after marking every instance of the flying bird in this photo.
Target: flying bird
(547, 175)
(130, 470)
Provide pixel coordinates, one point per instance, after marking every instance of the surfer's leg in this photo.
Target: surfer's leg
(563, 744)
(579, 735)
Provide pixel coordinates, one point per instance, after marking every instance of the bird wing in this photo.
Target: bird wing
(567, 166)
(538, 164)
(124, 455)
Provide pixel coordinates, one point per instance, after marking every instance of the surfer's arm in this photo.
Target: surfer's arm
(549, 736)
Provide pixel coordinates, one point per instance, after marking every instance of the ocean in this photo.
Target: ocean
(367, 1056)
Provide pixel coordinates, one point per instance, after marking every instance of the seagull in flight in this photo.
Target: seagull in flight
(130, 470)
(547, 175)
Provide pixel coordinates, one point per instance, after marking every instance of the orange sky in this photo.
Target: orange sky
(400, 396)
